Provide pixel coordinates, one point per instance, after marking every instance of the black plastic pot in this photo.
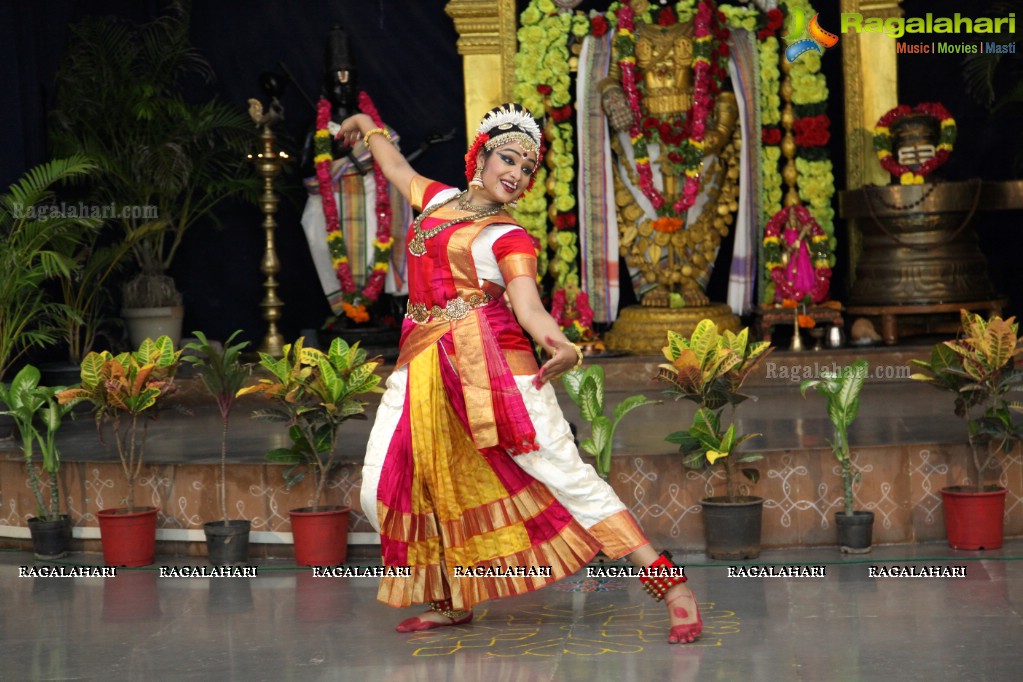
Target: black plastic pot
(732, 527)
(855, 533)
(228, 543)
(50, 539)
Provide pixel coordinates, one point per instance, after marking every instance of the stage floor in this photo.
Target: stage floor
(286, 624)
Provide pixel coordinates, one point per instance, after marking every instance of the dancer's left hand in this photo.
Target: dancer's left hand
(564, 359)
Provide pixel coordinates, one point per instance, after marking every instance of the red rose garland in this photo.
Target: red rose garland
(883, 141)
(812, 131)
(354, 302)
(682, 139)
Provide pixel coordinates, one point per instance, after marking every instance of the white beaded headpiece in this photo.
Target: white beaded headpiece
(510, 122)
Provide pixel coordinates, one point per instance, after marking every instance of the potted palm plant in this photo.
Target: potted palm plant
(125, 391)
(164, 162)
(586, 389)
(38, 417)
(709, 369)
(314, 393)
(223, 374)
(979, 369)
(86, 295)
(32, 239)
(842, 391)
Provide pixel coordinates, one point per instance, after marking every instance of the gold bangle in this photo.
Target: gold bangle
(375, 131)
(579, 354)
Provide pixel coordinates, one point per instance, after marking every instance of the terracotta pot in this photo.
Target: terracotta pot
(128, 536)
(321, 535)
(974, 520)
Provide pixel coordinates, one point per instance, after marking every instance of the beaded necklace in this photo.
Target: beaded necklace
(417, 245)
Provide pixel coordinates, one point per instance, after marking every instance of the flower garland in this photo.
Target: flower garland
(883, 141)
(353, 301)
(770, 130)
(814, 168)
(544, 87)
(681, 138)
(779, 229)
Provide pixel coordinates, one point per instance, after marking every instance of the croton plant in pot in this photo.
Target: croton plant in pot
(314, 393)
(125, 391)
(708, 369)
(979, 369)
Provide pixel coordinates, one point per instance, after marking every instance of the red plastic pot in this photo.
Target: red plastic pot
(321, 535)
(974, 520)
(128, 536)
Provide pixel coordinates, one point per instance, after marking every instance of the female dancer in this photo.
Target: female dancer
(471, 474)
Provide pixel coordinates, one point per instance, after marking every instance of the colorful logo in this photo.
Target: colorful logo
(819, 39)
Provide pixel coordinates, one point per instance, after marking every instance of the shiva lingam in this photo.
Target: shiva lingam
(920, 252)
(921, 255)
(919, 244)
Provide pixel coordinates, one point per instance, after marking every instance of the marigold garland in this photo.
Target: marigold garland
(883, 141)
(544, 87)
(353, 301)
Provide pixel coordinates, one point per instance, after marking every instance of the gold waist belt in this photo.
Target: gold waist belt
(455, 309)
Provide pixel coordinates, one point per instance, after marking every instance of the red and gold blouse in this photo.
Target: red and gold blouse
(464, 270)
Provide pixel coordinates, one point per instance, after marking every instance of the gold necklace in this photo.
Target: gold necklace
(464, 205)
(417, 245)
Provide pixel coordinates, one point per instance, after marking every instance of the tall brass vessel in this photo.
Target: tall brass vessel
(919, 243)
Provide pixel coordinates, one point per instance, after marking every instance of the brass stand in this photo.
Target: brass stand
(643, 330)
(268, 164)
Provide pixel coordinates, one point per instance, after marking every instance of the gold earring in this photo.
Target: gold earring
(477, 179)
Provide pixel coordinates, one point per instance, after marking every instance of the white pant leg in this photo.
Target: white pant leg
(388, 414)
(557, 464)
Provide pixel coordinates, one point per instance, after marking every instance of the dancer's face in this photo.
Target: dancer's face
(507, 171)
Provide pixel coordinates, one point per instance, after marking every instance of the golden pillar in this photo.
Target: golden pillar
(487, 43)
(870, 77)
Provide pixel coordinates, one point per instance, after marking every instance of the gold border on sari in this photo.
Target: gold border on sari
(619, 534)
(517, 265)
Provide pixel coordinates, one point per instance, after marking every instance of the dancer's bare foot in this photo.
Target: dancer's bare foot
(686, 624)
(433, 619)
